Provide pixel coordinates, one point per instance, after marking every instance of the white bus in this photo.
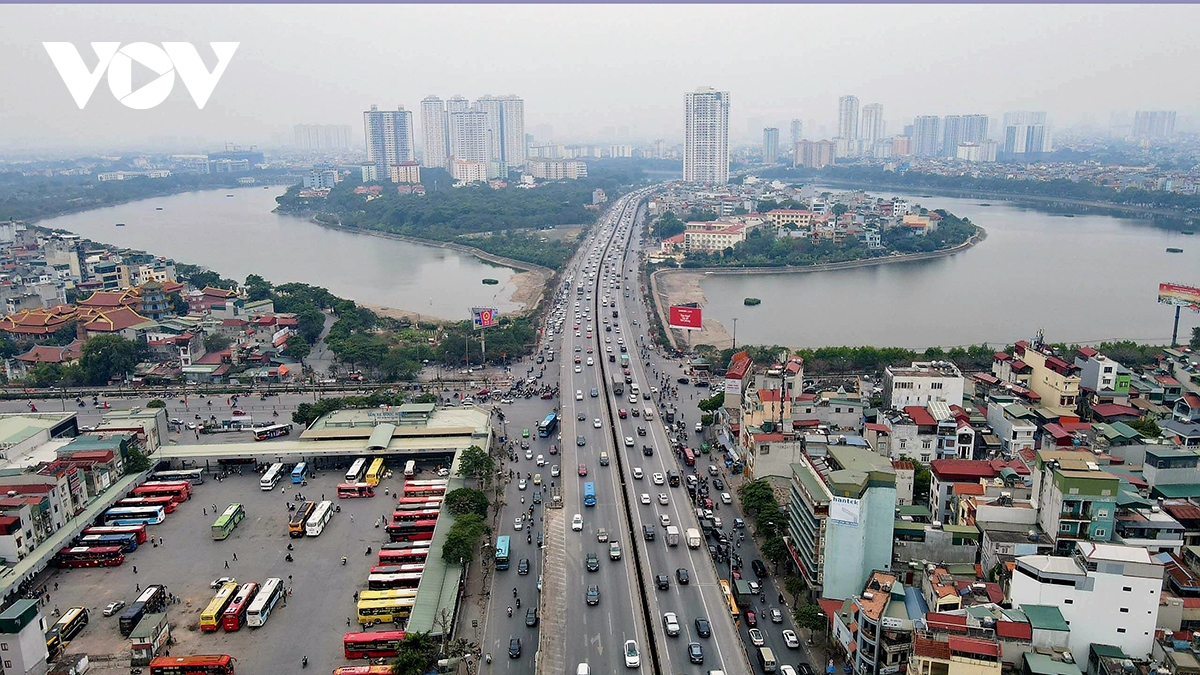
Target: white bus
(193, 476)
(271, 477)
(264, 602)
(410, 468)
(316, 523)
(355, 474)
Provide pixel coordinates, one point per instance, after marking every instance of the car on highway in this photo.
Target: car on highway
(695, 652)
(578, 394)
(601, 535)
(596, 423)
(637, 472)
(648, 532)
(790, 639)
(682, 576)
(699, 427)
(577, 523)
(718, 483)
(593, 562)
(522, 484)
(593, 595)
(671, 624)
(751, 618)
(114, 607)
(580, 441)
(581, 416)
(662, 498)
(583, 469)
(760, 570)
(528, 451)
(519, 524)
(514, 648)
(553, 449)
(756, 637)
(531, 617)
(629, 441)
(662, 581)
(726, 498)
(579, 369)
(647, 450)
(555, 471)
(703, 629)
(776, 615)
(589, 361)
(657, 478)
(523, 567)
(614, 550)
(622, 413)
(541, 460)
(641, 431)
(645, 499)
(525, 433)
(664, 519)
(633, 657)
(594, 392)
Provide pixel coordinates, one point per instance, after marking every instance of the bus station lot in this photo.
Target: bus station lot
(311, 622)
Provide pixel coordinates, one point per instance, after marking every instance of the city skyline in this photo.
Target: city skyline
(580, 100)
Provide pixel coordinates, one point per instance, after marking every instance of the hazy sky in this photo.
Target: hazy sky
(584, 68)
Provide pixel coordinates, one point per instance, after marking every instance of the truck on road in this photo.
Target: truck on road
(672, 535)
(693, 538)
(618, 385)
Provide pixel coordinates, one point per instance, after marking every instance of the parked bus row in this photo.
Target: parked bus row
(64, 630)
(247, 604)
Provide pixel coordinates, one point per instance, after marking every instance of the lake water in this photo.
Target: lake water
(240, 235)
(1083, 279)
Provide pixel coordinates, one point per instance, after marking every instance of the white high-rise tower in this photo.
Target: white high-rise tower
(389, 137)
(706, 136)
(434, 132)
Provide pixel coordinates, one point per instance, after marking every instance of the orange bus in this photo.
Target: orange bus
(180, 491)
(204, 664)
(355, 490)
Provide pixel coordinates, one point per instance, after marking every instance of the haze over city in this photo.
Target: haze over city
(591, 72)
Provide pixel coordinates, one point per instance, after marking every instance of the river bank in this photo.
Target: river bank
(682, 286)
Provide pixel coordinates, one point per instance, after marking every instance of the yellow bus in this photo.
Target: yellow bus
(375, 473)
(388, 610)
(734, 613)
(210, 618)
(388, 594)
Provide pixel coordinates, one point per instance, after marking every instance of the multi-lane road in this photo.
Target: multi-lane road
(602, 280)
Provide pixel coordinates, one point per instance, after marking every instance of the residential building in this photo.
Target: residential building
(469, 137)
(870, 127)
(1187, 409)
(435, 133)
(709, 239)
(1101, 380)
(1004, 541)
(922, 383)
(457, 104)
(1154, 125)
(23, 637)
(321, 179)
(848, 118)
(1011, 422)
(884, 618)
(841, 511)
(556, 169)
(945, 473)
(797, 132)
(770, 145)
(927, 136)
(463, 171)
(512, 131)
(954, 655)
(1076, 500)
(959, 129)
(706, 137)
(1052, 378)
(1108, 594)
(814, 154)
(983, 151)
(389, 138)
(1025, 133)
(405, 172)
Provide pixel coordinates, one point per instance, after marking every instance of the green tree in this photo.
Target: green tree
(712, 403)
(775, 549)
(257, 288)
(297, 347)
(215, 342)
(417, 655)
(921, 480)
(465, 500)
(156, 403)
(108, 357)
(136, 462)
(758, 497)
(463, 538)
(179, 306)
(1145, 426)
(310, 322)
(1194, 343)
(839, 209)
(668, 226)
(794, 586)
(810, 617)
(475, 462)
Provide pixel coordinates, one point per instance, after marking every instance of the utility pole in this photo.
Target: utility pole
(735, 333)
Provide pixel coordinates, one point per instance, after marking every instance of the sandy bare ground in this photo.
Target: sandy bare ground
(682, 287)
(529, 292)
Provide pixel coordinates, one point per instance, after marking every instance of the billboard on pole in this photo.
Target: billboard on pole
(689, 318)
(1180, 296)
(485, 317)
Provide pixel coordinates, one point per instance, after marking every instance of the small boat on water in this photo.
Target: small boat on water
(1174, 250)
(120, 224)
(491, 282)
(985, 204)
(228, 195)
(1187, 232)
(751, 302)
(1068, 215)
(158, 208)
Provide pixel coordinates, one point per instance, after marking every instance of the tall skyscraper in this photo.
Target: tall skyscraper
(389, 137)
(468, 136)
(1025, 133)
(770, 145)
(457, 104)
(958, 129)
(512, 129)
(318, 137)
(848, 118)
(1154, 125)
(797, 132)
(490, 106)
(926, 136)
(706, 136)
(434, 133)
(870, 126)
(814, 154)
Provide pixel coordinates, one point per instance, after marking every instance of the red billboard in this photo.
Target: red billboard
(1179, 295)
(686, 317)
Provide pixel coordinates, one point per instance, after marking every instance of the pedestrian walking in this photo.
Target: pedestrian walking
(56, 585)
(138, 588)
(227, 562)
(205, 510)
(214, 508)
(135, 569)
(160, 541)
(235, 557)
(352, 517)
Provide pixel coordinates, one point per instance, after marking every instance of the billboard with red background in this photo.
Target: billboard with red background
(686, 317)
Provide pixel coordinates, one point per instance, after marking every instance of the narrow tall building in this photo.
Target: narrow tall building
(1154, 125)
(926, 136)
(434, 132)
(389, 137)
(797, 131)
(770, 145)
(490, 106)
(1025, 133)
(706, 136)
(512, 129)
(870, 126)
(848, 118)
(963, 129)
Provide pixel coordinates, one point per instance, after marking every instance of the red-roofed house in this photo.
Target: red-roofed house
(944, 473)
(203, 301)
(123, 321)
(1187, 409)
(39, 354)
(1113, 412)
(105, 300)
(736, 377)
(37, 323)
(955, 655)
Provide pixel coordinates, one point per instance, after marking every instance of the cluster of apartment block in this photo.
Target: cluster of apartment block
(1053, 535)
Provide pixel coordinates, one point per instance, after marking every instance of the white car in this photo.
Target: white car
(671, 624)
(725, 498)
(629, 441)
(657, 478)
(222, 581)
(541, 460)
(633, 658)
(790, 639)
(596, 423)
(579, 369)
(577, 523)
(664, 519)
(578, 394)
(662, 498)
(756, 637)
(590, 362)
(645, 498)
(522, 484)
(717, 522)
(637, 472)
(519, 524)
(528, 453)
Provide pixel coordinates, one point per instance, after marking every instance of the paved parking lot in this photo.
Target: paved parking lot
(312, 622)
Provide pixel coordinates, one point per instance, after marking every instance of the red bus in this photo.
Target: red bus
(180, 491)
(355, 490)
(423, 514)
(235, 614)
(423, 506)
(412, 555)
(383, 582)
(411, 490)
(380, 644)
(403, 545)
(412, 530)
(363, 670)
(168, 503)
(90, 556)
(420, 501)
(203, 664)
(397, 569)
(689, 457)
(139, 530)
